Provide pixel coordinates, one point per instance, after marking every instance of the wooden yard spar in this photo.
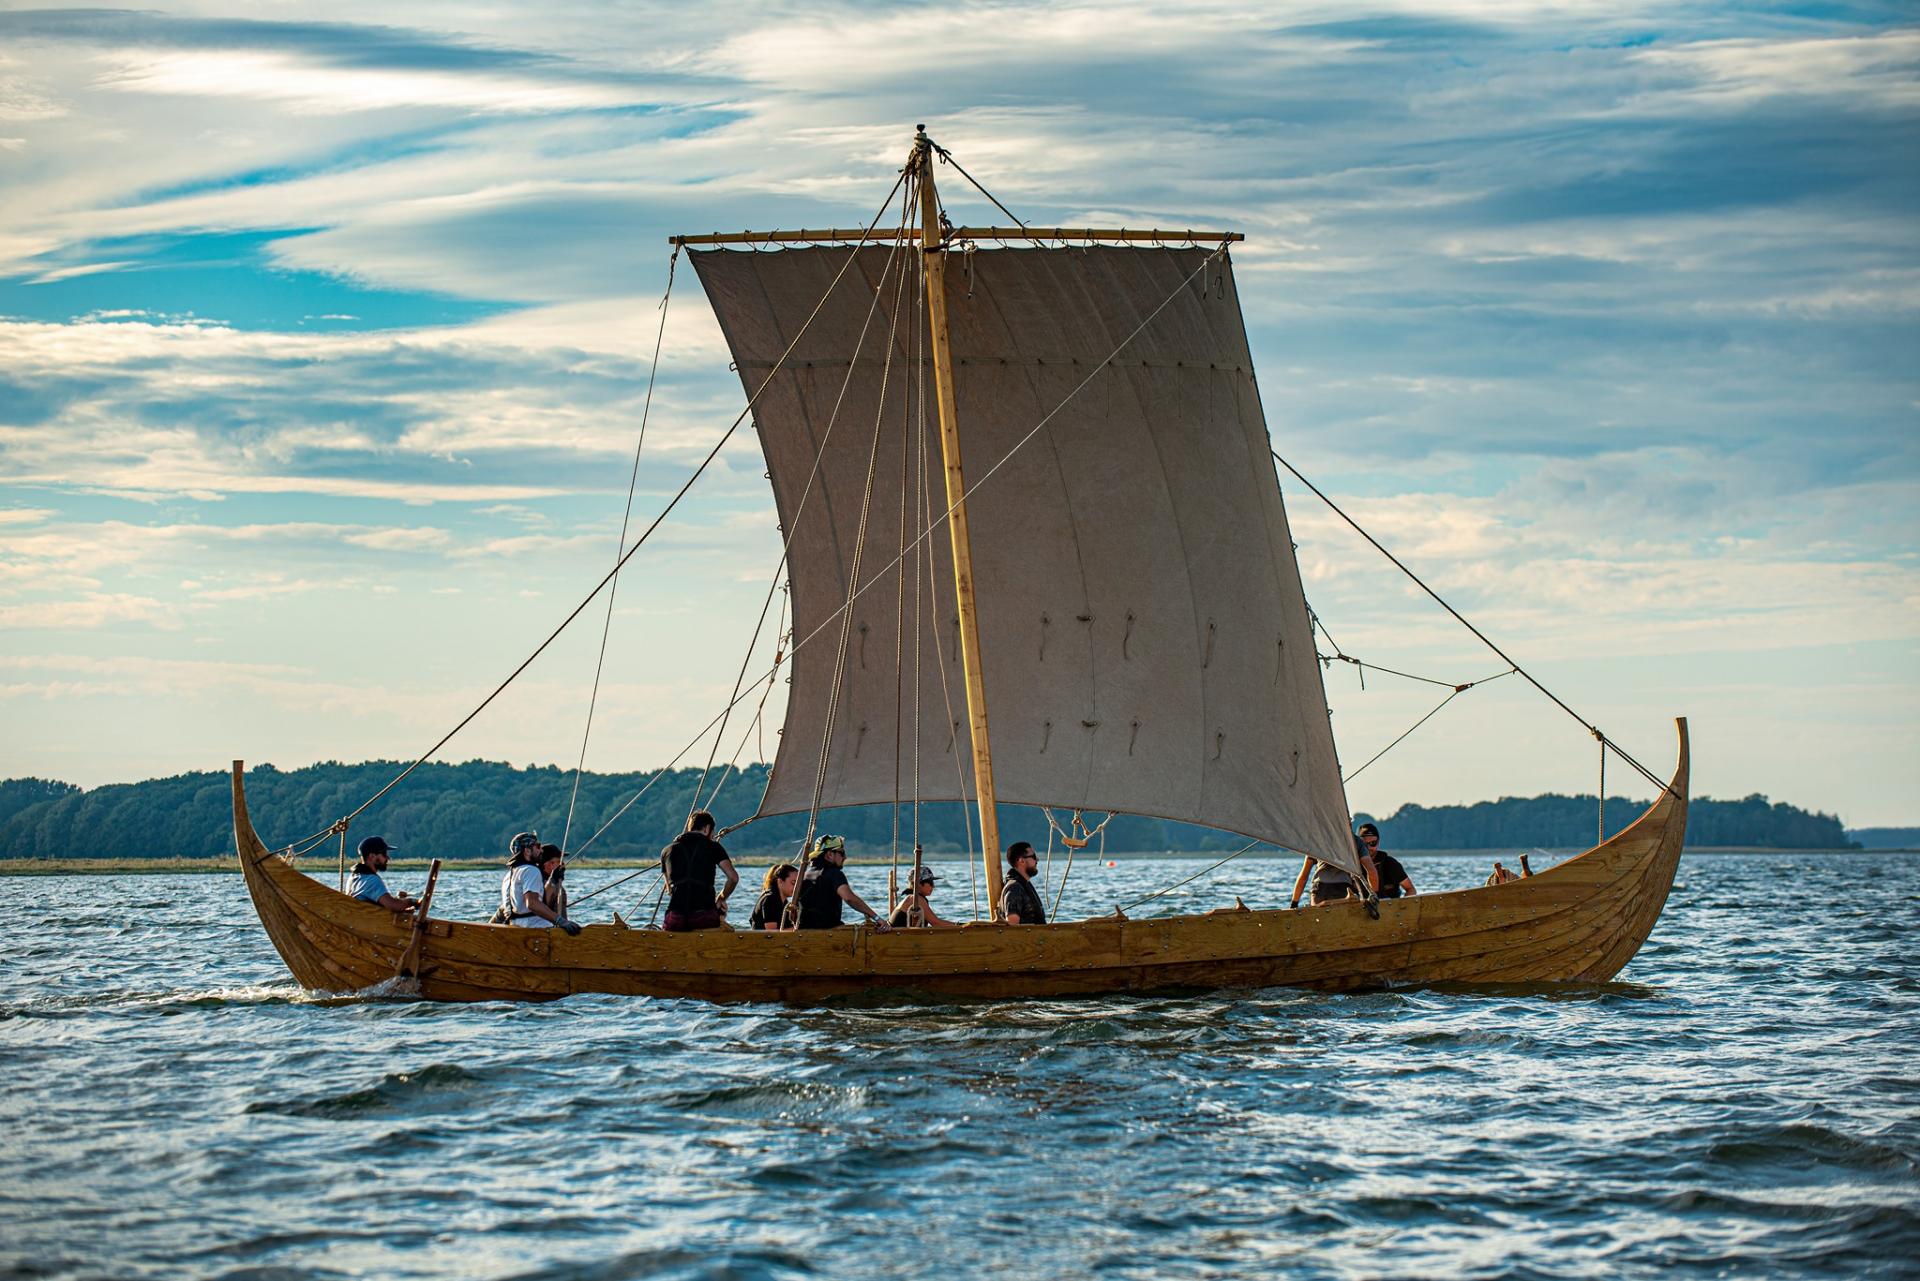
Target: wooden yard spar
(1125, 591)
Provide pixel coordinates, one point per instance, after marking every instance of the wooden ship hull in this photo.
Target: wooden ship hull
(1578, 922)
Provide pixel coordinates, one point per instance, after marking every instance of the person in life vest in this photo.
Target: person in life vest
(523, 891)
(689, 864)
(367, 883)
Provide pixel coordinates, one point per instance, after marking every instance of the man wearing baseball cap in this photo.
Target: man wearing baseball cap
(523, 899)
(367, 883)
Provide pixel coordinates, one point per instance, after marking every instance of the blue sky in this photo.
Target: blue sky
(323, 341)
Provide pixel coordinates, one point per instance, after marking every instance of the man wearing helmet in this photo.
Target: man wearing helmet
(823, 888)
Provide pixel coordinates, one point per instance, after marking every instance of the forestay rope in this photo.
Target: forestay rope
(1481, 636)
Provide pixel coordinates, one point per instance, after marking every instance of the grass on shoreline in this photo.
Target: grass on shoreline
(229, 864)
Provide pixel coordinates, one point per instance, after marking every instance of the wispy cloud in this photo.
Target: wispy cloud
(1600, 314)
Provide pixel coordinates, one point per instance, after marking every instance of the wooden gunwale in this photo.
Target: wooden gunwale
(1581, 921)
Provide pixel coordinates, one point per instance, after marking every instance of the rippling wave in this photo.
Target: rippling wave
(1743, 1102)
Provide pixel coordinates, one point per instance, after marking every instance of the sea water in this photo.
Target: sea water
(1742, 1102)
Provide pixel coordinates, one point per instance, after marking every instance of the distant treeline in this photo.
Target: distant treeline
(470, 810)
(1560, 822)
(1886, 838)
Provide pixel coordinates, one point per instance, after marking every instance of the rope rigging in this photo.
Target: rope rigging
(640, 542)
(806, 492)
(626, 516)
(859, 546)
(926, 530)
(1461, 619)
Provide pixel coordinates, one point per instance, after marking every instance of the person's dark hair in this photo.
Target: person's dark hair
(1019, 850)
(774, 874)
(700, 821)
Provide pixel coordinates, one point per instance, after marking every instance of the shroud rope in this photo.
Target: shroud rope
(626, 517)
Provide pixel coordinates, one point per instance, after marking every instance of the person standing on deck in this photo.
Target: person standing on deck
(1019, 901)
(689, 864)
(367, 883)
(824, 888)
(1392, 874)
(1331, 883)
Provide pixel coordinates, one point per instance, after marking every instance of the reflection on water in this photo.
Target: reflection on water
(1742, 1103)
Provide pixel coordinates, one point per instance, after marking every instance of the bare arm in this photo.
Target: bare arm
(733, 882)
(1300, 881)
(1373, 873)
(398, 904)
(934, 918)
(537, 905)
(1406, 886)
(858, 904)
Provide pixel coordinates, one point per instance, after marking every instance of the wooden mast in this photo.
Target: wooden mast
(934, 256)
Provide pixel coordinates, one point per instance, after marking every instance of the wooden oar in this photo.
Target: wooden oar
(410, 959)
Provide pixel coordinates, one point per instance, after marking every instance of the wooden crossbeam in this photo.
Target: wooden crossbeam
(958, 233)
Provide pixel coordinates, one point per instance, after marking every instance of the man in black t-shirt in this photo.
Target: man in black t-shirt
(689, 864)
(1019, 901)
(823, 888)
(1394, 881)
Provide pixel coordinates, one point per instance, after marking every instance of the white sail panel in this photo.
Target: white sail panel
(1145, 641)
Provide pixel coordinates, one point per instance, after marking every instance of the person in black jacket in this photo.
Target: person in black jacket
(689, 864)
(1019, 901)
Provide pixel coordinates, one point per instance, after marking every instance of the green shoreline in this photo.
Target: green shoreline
(210, 866)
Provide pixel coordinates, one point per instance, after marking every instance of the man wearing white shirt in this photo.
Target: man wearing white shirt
(523, 890)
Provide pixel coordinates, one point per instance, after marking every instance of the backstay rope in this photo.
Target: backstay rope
(626, 516)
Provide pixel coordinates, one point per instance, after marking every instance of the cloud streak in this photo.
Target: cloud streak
(1601, 315)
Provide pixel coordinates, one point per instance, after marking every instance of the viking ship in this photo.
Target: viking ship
(1081, 595)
